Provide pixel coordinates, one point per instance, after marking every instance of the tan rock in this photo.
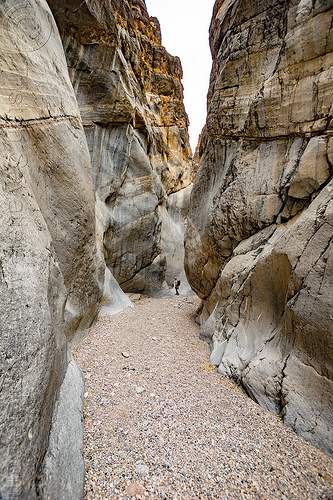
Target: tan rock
(313, 169)
(131, 100)
(134, 489)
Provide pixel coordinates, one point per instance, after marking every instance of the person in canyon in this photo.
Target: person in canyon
(177, 285)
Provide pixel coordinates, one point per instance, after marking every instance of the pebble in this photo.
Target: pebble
(140, 390)
(142, 469)
(200, 438)
(134, 489)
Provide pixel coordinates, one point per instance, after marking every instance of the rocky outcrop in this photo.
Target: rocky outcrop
(259, 239)
(131, 100)
(50, 275)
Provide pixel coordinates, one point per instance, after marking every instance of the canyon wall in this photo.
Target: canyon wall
(74, 199)
(258, 248)
(131, 101)
(51, 278)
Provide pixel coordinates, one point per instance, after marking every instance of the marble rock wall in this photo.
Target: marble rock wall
(258, 247)
(50, 275)
(131, 101)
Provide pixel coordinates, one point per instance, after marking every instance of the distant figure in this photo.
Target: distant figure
(177, 285)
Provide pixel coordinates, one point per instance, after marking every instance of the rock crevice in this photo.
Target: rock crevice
(131, 101)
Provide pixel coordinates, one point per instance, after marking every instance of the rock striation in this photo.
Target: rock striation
(73, 198)
(258, 248)
(51, 277)
(131, 100)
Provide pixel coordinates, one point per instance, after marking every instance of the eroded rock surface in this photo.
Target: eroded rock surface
(259, 239)
(50, 275)
(131, 101)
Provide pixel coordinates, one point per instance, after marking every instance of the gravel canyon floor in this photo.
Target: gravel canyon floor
(161, 423)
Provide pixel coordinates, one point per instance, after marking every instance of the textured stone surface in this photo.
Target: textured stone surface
(62, 474)
(50, 274)
(259, 238)
(131, 100)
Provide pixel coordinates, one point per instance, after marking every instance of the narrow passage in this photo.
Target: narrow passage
(161, 423)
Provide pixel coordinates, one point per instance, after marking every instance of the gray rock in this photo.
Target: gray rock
(140, 390)
(142, 469)
(114, 300)
(62, 472)
(50, 273)
(258, 247)
(130, 97)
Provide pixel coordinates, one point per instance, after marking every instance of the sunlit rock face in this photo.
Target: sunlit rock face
(258, 249)
(131, 101)
(50, 275)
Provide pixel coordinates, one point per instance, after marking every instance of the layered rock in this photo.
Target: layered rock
(50, 275)
(259, 238)
(131, 101)
(52, 269)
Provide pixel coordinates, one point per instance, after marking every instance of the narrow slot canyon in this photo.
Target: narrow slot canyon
(111, 384)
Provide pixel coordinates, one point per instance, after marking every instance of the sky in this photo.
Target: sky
(184, 26)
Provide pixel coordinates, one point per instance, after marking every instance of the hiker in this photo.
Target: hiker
(177, 285)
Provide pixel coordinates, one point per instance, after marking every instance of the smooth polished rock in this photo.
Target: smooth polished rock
(130, 96)
(62, 473)
(50, 274)
(258, 247)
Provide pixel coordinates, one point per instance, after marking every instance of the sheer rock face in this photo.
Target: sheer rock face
(258, 249)
(131, 101)
(50, 274)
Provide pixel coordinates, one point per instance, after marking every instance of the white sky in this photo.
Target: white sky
(184, 27)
